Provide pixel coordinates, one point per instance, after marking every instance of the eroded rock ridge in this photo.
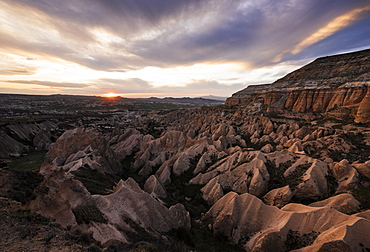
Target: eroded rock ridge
(337, 85)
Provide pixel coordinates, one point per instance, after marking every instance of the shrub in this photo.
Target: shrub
(87, 214)
(296, 241)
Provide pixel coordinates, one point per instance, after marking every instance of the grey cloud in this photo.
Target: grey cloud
(9, 66)
(115, 15)
(49, 83)
(257, 34)
(222, 30)
(137, 85)
(17, 71)
(133, 85)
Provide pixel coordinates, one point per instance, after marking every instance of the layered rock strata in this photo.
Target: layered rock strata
(338, 85)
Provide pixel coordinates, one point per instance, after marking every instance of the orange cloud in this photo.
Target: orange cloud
(331, 28)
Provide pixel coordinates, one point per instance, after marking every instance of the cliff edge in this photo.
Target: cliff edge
(337, 85)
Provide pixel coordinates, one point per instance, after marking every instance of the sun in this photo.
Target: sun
(110, 95)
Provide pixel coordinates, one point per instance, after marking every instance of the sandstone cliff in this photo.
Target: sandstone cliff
(336, 85)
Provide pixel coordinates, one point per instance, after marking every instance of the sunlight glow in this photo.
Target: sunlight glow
(111, 95)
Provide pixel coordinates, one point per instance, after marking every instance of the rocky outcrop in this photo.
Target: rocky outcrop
(10, 146)
(344, 203)
(243, 96)
(346, 175)
(110, 217)
(131, 204)
(337, 85)
(363, 112)
(81, 148)
(246, 220)
(77, 165)
(20, 138)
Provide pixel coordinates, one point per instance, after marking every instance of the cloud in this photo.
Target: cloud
(331, 28)
(131, 85)
(48, 83)
(167, 33)
(16, 71)
(139, 86)
(9, 66)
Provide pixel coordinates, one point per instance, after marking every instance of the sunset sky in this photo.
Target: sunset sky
(143, 48)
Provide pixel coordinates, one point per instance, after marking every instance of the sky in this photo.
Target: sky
(177, 48)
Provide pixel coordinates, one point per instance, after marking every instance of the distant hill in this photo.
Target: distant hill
(213, 97)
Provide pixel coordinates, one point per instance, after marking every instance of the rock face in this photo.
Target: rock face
(338, 85)
(10, 146)
(20, 138)
(77, 165)
(246, 220)
(242, 96)
(81, 148)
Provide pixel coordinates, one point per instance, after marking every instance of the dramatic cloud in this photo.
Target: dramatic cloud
(90, 41)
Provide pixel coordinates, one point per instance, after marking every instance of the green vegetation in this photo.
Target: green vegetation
(331, 182)
(26, 214)
(277, 178)
(362, 150)
(296, 241)
(362, 194)
(96, 182)
(22, 185)
(204, 240)
(180, 191)
(81, 238)
(295, 177)
(144, 247)
(198, 237)
(88, 213)
(29, 162)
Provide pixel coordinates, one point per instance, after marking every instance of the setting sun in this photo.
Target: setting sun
(110, 95)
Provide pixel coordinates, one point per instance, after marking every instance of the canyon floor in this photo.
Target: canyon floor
(201, 179)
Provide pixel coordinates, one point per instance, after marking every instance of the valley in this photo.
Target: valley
(281, 167)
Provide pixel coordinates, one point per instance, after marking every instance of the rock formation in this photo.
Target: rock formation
(245, 220)
(67, 192)
(336, 85)
(280, 172)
